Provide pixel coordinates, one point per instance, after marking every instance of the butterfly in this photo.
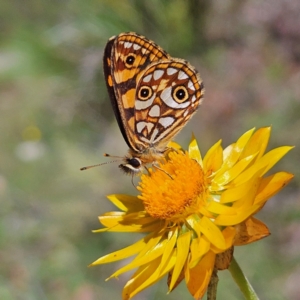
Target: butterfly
(153, 96)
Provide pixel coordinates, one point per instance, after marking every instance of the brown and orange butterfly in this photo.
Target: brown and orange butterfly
(153, 96)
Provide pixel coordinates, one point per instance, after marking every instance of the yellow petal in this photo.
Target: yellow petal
(212, 232)
(203, 210)
(250, 231)
(201, 240)
(194, 151)
(223, 220)
(237, 192)
(123, 253)
(152, 250)
(178, 281)
(243, 206)
(220, 209)
(228, 176)
(147, 275)
(183, 246)
(232, 153)
(213, 158)
(229, 234)
(273, 156)
(135, 222)
(271, 185)
(133, 286)
(197, 278)
(243, 140)
(264, 164)
(170, 245)
(199, 247)
(248, 199)
(257, 143)
(126, 202)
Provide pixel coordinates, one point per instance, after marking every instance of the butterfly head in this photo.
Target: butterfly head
(132, 165)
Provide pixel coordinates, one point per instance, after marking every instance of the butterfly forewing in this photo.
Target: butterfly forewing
(108, 74)
(126, 57)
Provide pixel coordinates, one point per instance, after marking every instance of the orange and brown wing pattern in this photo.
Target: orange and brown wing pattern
(126, 56)
(167, 96)
(153, 96)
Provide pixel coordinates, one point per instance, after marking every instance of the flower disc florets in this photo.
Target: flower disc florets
(174, 189)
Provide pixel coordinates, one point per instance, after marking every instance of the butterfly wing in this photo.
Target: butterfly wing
(126, 56)
(167, 96)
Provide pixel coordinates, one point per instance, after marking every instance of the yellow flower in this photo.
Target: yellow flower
(194, 209)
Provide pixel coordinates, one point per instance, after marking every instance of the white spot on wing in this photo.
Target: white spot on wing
(154, 111)
(194, 98)
(141, 125)
(150, 126)
(157, 74)
(136, 47)
(127, 45)
(147, 78)
(171, 71)
(166, 121)
(191, 85)
(154, 134)
(140, 105)
(182, 75)
(166, 94)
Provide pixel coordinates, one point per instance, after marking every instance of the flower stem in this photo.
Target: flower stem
(242, 281)
(213, 284)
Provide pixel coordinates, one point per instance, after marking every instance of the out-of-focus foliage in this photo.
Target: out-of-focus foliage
(55, 117)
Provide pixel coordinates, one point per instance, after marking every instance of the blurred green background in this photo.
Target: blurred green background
(55, 117)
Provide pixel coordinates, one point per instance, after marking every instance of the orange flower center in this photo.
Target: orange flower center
(175, 189)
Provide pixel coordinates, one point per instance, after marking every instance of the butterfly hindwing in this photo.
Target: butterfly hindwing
(167, 96)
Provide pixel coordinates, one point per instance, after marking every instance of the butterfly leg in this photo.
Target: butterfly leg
(158, 168)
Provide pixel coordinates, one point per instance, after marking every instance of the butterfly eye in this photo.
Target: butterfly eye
(134, 162)
(130, 59)
(145, 93)
(180, 94)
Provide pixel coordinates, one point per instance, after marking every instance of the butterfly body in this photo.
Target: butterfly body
(153, 96)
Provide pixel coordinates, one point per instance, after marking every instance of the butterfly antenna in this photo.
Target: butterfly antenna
(105, 163)
(113, 156)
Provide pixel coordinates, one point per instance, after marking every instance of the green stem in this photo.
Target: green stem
(242, 281)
